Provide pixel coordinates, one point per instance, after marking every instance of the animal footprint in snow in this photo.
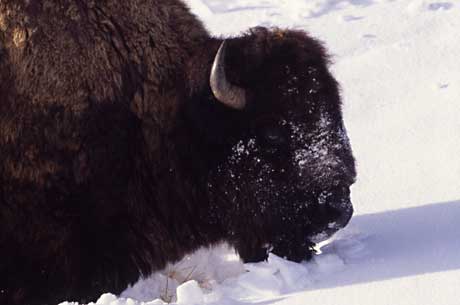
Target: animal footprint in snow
(436, 6)
(417, 6)
(349, 18)
(369, 36)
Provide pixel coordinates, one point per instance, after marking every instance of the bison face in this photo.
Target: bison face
(283, 182)
(286, 185)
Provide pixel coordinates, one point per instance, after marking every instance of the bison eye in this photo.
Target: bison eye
(275, 136)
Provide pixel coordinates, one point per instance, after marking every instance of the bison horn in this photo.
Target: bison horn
(226, 93)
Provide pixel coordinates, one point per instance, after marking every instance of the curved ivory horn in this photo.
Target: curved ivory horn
(226, 93)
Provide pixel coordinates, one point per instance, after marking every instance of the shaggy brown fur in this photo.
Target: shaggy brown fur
(115, 157)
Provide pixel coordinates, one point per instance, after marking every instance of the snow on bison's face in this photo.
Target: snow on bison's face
(285, 184)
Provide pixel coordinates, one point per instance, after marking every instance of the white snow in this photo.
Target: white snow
(398, 64)
(190, 293)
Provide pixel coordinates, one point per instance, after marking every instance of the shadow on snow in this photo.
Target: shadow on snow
(400, 243)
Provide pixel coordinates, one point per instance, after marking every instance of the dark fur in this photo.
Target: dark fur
(115, 158)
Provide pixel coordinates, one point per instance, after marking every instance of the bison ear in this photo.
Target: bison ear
(226, 93)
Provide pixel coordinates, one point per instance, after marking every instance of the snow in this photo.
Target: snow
(397, 62)
(190, 293)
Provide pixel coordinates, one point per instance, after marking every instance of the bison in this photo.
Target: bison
(130, 137)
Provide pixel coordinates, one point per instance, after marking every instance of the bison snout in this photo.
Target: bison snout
(339, 200)
(333, 212)
(345, 213)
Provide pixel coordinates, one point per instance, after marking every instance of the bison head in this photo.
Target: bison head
(280, 161)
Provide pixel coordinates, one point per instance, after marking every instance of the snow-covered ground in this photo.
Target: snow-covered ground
(398, 64)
